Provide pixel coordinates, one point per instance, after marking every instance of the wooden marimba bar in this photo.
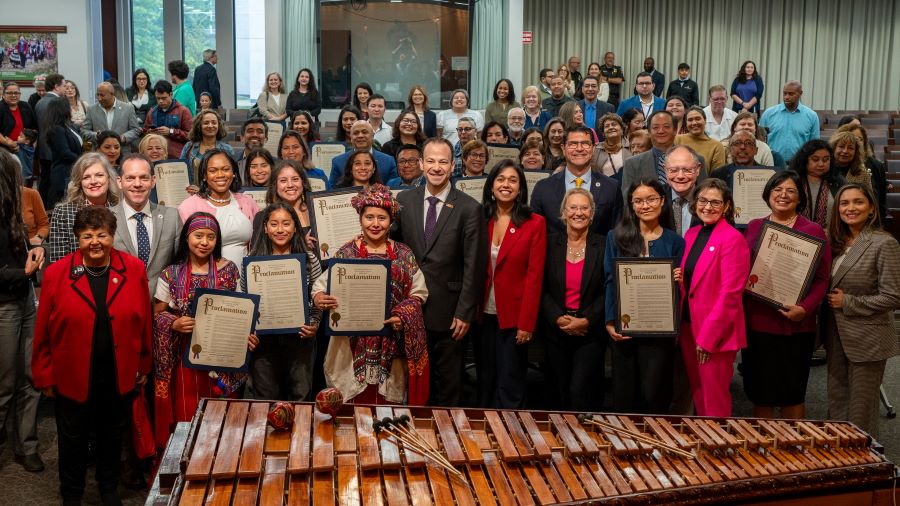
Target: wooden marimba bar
(228, 455)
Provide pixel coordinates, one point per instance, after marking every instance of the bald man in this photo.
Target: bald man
(361, 139)
(111, 114)
(790, 123)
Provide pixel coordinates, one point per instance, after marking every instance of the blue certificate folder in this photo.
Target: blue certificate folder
(248, 270)
(191, 352)
(333, 318)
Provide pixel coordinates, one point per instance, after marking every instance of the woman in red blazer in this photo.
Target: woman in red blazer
(92, 349)
(512, 292)
(714, 270)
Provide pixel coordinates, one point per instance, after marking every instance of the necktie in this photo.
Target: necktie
(578, 182)
(431, 218)
(678, 207)
(143, 238)
(661, 167)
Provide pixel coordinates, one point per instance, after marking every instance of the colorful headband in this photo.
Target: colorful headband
(201, 221)
(377, 195)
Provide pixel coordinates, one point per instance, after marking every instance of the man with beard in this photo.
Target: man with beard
(515, 122)
(254, 134)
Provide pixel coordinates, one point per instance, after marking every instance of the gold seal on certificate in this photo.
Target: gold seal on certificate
(334, 221)
(281, 283)
(324, 152)
(646, 297)
(471, 186)
(784, 263)
(172, 181)
(499, 152)
(533, 176)
(362, 289)
(223, 322)
(747, 186)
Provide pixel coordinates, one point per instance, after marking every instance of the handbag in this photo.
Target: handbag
(141, 428)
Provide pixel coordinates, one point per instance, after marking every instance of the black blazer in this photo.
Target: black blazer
(206, 79)
(429, 126)
(548, 195)
(65, 150)
(8, 122)
(593, 280)
(454, 262)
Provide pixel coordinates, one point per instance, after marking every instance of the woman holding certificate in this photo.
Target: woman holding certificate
(219, 196)
(781, 341)
(198, 264)
(386, 368)
(865, 292)
(512, 290)
(282, 365)
(642, 367)
(291, 146)
(572, 306)
(360, 170)
(92, 350)
(714, 269)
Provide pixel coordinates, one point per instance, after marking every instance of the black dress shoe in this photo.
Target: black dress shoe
(110, 498)
(32, 462)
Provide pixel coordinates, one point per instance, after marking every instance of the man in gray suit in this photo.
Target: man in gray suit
(111, 114)
(651, 163)
(144, 230)
(445, 230)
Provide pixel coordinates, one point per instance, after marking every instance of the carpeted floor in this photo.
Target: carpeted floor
(21, 488)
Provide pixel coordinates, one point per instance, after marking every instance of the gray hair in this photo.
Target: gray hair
(576, 191)
(208, 53)
(514, 109)
(468, 120)
(697, 158)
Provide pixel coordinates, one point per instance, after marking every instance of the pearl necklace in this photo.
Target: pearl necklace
(788, 224)
(220, 201)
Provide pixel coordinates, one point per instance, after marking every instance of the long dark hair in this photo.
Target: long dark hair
(801, 159)
(312, 90)
(712, 183)
(341, 135)
(261, 245)
(682, 126)
(134, 87)
(183, 252)
(395, 131)
(313, 132)
(838, 231)
(347, 177)
(272, 191)
(627, 234)
(236, 176)
(742, 77)
(512, 91)
(520, 211)
(257, 153)
(296, 135)
(366, 87)
(630, 114)
(58, 113)
(11, 202)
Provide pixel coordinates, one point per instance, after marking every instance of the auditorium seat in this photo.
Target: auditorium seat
(866, 120)
(238, 115)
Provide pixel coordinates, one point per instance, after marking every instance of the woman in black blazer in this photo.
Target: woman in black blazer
(9, 103)
(576, 337)
(65, 145)
(418, 101)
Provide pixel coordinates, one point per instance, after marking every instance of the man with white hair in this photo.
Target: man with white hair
(206, 79)
(515, 121)
(790, 123)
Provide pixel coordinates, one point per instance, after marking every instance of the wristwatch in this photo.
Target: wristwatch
(171, 130)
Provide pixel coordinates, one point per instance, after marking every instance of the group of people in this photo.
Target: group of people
(115, 303)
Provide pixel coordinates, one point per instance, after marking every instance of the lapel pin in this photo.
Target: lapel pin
(712, 248)
(115, 281)
(77, 271)
(448, 204)
(597, 184)
(512, 231)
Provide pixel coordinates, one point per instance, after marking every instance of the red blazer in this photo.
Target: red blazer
(520, 273)
(717, 288)
(63, 333)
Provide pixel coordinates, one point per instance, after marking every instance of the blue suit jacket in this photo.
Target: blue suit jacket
(602, 108)
(549, 192)
(387, 167)
(634, 102)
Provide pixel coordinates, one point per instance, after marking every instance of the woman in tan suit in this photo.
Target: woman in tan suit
(865, 291)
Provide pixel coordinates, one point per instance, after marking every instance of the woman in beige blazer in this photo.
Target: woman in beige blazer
(865, 291)
(272, 100)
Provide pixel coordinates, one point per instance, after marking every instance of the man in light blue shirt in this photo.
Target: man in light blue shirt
(790, 123)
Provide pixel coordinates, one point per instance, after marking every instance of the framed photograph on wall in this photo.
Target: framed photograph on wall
(27, 51)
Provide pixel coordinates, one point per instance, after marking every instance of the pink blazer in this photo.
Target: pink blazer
(717, 289)
(196, 203)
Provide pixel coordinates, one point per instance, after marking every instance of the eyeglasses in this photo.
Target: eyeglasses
(408, 161)
(715, 204)
(743, 144)
(650, 201)
(580, 144)
(516, 118)
(790, 192)
(477, 156)
(684, 170)
(12, 93)
(572, 209)
(408, 121)
(463, 130)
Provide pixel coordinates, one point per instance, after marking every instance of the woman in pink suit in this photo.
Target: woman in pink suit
(714, 269)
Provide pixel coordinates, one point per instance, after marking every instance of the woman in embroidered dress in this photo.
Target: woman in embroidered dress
(393, 367)
(198, 264)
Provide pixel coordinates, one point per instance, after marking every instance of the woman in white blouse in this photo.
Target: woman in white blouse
(459, 107)
(272, 100)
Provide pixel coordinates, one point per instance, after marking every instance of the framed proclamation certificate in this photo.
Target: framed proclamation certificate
(223, 323)
(533, 176)
(471, 186)
(747, 186)
(784, 263)
(172, 180)
(362, 288)
(646, 297)
(317, 184)
(322, 153)
(281, 283)
(498, 153)
(334, 221)
(257, 194)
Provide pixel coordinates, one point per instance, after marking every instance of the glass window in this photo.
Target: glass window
(392, 47)
(147, 39)
(249, 50)
(198, 20)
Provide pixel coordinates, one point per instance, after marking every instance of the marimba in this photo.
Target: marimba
(228, 455)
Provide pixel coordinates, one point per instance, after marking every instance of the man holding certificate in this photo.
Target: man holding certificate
(391, 364)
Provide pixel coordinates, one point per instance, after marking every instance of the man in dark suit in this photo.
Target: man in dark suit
(206, 79)
(548, 193)
(446, 231)
(650, 164)
(153, 235)
(54, 84)
(361, 139)
(593, 108)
